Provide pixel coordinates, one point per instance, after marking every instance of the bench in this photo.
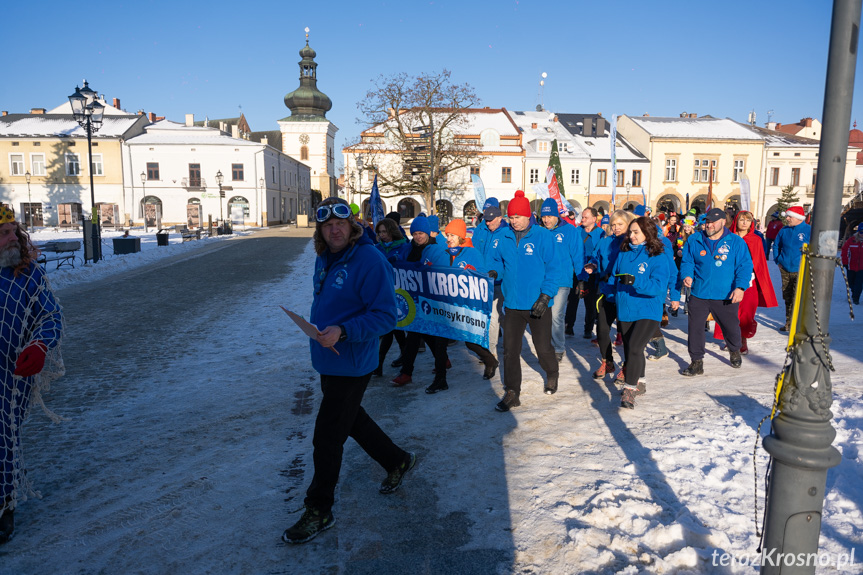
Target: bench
(61, 252)
(189, 235)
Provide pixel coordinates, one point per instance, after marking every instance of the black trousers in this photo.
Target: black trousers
(636, 334)
(605, 319)
(484, 354)
(387, 342)
(589, 302)
(515, 321)
(789, 291)
(436, 344)
(725, 314)
(339, 417)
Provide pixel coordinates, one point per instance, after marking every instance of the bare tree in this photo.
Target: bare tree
(400, 115)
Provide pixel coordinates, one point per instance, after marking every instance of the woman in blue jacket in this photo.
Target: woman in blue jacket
(393, 245)
(602, 263)
(642, 272)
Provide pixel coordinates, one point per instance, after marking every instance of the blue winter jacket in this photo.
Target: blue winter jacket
(570, 252)
(669, 252)
(462, 257)
(486, 241)
(355, 291)
(716, 268)
(786, 248)
(644, 298)
(603, 258)
(527, 268)
(394, 251)
(590, 241)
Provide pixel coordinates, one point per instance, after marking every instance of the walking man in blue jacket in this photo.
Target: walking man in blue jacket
(355, 301)
(486, 238)
(717, 267)
(525, 261)
(787, 250)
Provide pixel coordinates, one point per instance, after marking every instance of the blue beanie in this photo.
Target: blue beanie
(549, 208)
(491, 202)
(860, 227)
(420, 224)
(639, 210)
(604, 220)
(434, 224)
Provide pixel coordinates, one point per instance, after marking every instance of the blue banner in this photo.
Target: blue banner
(376, 205)
(445, 301)
(478, 192)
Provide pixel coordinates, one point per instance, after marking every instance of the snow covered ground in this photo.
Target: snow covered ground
(568, 483)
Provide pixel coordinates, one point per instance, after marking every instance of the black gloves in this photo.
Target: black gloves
(625, 279)
(539, 306)
(492, 274)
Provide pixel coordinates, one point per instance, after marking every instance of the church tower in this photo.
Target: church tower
(307, 135)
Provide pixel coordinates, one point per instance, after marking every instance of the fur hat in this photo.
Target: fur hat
(519, 206)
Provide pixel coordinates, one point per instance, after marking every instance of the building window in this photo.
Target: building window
(562, 147)
(601, 176)
(534, 175)
(705, 171)
(195, 175)
(636, 178)
(304, 153)
(738, 170)
(16, 164)
(621, 177)
(505, 175)
(152, 170)
(542, 146)
(274, 175)
(474, 170)
(96, 165)
(37, 164)
(795, 176)
(73, 165)
(814, 176)
(371, 175)
(237, 172)
(575, 177)
(774, 176)
(670, 170)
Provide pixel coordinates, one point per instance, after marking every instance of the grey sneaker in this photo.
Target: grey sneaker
(394, 478)
(312, 522)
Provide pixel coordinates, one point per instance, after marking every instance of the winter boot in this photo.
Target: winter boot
(510, 400)
(621, 376)
(439, 384)
(695, 368)
(661, 350)
(312, 522)
(736, 360)
(640, 389)
(618, 341)
(627, 400)
(604, 368)
(394, 478)
(401, 380)
(490, 369)
(551, 383)
(744, 350)
(559, 357)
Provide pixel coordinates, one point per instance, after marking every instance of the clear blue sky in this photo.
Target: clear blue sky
(614, 57)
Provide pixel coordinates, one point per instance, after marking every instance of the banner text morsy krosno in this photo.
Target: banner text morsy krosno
(445, 301)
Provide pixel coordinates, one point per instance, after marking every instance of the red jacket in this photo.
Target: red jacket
(773, 229)
(852, 253)
(762, 283)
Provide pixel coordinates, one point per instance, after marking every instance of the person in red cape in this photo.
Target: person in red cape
(760, 292)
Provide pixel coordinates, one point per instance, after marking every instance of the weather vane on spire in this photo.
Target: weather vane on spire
(307, 34)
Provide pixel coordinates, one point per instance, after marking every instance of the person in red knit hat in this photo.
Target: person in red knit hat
(760, 292)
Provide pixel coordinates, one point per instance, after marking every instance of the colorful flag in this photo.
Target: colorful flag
(613, 139)
(563, 206)
(644, 199)
(478, 192)
(376, 205)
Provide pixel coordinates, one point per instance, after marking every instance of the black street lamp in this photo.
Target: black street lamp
(219, 179)
(143, 195)
(29, 201)
(87, 111)
(262, 183)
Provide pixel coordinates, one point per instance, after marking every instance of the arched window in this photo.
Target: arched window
(489, 138)
(304, 153)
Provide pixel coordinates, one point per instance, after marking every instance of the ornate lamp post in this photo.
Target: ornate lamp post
(360, 179)
(144, 194)
(88, 111)
(29, 201)
(219, 179)
(262, 184)
(629, 187)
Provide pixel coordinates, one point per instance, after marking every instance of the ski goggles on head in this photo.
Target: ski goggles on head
(327, 211)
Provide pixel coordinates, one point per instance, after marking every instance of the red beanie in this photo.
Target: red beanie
(519, 206)
(795, 212)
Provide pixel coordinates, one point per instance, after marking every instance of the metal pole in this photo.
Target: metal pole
(801, 436)
(94, 216)
(433, 209)
(29, 207)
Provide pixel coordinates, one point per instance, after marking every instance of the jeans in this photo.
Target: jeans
(558, 319)
(339, 417)
(855, 278)
(494, 322)
(789, 292)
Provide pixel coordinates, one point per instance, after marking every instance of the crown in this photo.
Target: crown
(7, 214)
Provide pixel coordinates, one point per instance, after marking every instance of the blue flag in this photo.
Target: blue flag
(376, 205)
(478, 192)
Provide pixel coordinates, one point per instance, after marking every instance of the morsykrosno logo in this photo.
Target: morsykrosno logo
(528, 249)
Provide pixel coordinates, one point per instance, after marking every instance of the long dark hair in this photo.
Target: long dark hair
(652, 243)
(392, 227)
